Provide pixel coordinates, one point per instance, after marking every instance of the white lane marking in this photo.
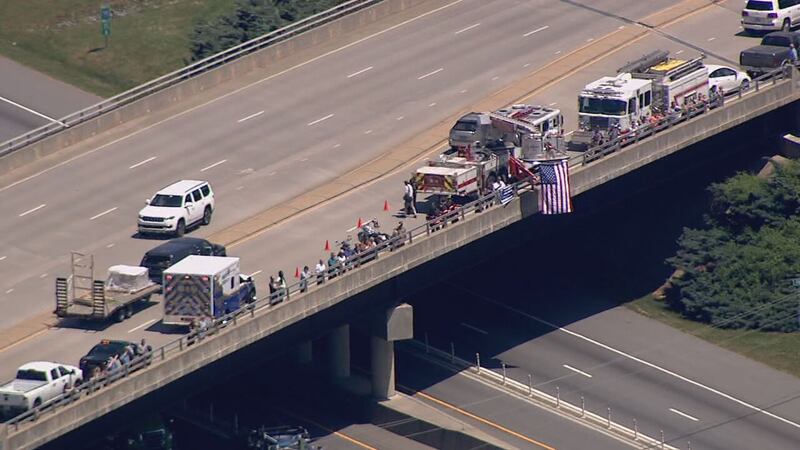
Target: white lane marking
(214, 100)
(254, 273)
(711, 39)
(422, 77)
(142, 325)
(400, 118)
(368, 132)
(526, 65)
(303, 159)
(109, 245)
(337, 145)
(32, 210)
(621, 27)
(432, 105)
(567, 366)
(590, 40)
(474, 328)
(250, 116)
(681, 413)
(553, 104)
(10, 291)
(142, 162)
(3, 257)
(642, 361)
(468, 28)
(43, 275)
(558, 52)
(213, 165)
(463, 91)
(679, 52)
(320, 120)
(103, 213)
(36, 113)
(366, 69)
(495, 78)
(536, 31)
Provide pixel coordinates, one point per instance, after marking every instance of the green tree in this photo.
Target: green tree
(737, 267)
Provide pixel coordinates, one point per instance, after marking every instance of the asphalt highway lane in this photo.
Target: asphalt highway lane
(300, 241)
(318, 121)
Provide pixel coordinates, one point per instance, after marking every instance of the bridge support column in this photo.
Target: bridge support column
(396, 324)
(339, 352)
(304, 353)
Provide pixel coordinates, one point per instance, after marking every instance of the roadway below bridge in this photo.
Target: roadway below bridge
(30, 264)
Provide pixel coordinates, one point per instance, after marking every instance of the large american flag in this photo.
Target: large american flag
(554, 190)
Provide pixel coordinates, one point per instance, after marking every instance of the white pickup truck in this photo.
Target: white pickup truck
(36, 384)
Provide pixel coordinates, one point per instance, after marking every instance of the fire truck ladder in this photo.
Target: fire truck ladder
(526, 126)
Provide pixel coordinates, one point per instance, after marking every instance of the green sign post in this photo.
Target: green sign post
(105, 21)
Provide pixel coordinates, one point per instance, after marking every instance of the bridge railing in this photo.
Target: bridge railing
(268, 303)
(184, 73)
(298, 288)
(669, 120)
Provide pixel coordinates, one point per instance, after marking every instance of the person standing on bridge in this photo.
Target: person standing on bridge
(281, 286)
(408, 200)
(320, 269)
(304, 276)
(793, 53)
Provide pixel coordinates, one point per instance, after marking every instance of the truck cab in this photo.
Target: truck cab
(612, 102)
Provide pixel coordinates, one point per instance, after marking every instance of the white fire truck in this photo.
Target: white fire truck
(643, 88)
(482, 144)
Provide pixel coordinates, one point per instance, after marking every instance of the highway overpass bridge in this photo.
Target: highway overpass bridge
(382, 277)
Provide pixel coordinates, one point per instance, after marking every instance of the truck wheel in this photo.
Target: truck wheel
(180, 229)
(787, 25)
(119, 316)
(37, 403)
(207, 215)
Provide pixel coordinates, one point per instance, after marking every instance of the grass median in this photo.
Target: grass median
(778, 350)
(63, 38)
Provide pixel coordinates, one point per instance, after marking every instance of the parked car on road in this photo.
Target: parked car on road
(177, 207)
(36, 384)
(96, 361)
(161, 257)
(773, 52)
(770, 15)
(727, 78)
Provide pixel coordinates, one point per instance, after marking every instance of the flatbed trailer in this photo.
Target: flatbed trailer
(81, 296)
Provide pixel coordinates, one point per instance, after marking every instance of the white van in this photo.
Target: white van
(771, 15)
(177, 207)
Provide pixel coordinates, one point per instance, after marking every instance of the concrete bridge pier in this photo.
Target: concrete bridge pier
(338, 342)
(396, 324)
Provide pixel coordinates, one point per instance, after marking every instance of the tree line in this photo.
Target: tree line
(250, 19)
(736, 271)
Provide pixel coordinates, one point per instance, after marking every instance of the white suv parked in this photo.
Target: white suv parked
(771, 15)
(176, 207)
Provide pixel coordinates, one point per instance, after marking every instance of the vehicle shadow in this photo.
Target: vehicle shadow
(161, 327)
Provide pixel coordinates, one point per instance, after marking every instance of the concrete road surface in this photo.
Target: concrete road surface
(34, 95)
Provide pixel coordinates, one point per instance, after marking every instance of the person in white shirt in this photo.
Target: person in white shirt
(320, 270)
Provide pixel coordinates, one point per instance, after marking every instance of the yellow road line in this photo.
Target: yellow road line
(339, 434)
(485, 421)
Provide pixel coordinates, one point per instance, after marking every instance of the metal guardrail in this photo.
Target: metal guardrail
(274, 300)
(650, 129)
(269, 302)
(184, 73)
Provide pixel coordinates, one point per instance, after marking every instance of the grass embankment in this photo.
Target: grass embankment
(778, 350)
(63, 38)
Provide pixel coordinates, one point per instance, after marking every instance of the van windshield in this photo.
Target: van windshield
(170, 201)
(590, 105)
(759, 5)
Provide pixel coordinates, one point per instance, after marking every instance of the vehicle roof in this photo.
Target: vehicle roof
(618, 85)
(40, 365)
(180, 187)
(173, 245)
(788, 34)
(203, 265)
